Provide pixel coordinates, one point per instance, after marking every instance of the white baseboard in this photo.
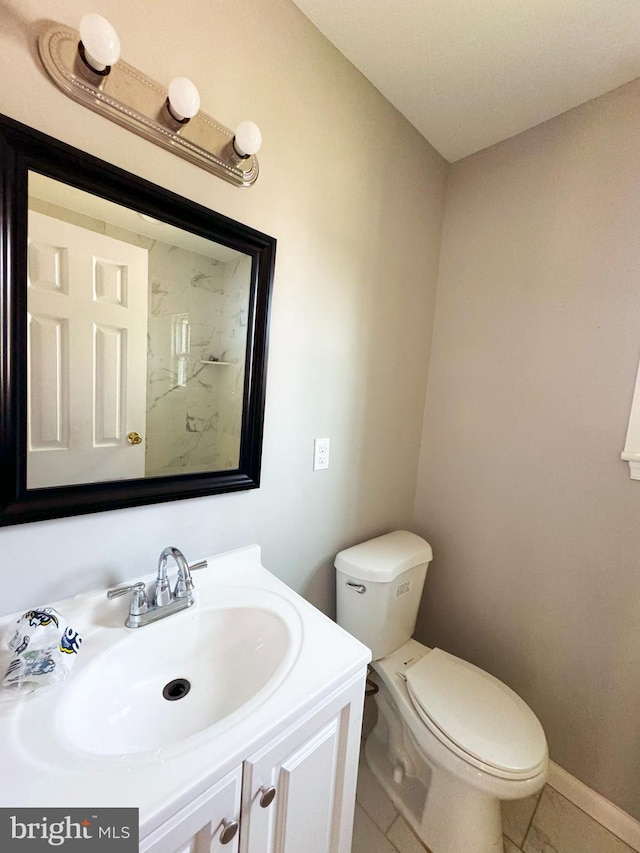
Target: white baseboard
(621, 824)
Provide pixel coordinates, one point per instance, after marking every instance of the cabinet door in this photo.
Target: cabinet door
(313, 768)
(204, 826)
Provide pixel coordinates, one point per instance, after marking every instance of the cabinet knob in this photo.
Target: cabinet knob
(229, 829)
(266, 796)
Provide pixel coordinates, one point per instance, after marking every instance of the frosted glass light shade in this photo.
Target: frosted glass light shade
(100, 41)
(184, 98)
(248, 138)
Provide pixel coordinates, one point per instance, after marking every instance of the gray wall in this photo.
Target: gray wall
(358, 230)
(534, 521)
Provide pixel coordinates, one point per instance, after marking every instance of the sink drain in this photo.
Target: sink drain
(176, 689)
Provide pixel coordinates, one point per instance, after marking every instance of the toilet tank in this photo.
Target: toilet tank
(378, 588)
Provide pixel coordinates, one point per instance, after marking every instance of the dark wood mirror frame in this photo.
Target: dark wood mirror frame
(23, 149)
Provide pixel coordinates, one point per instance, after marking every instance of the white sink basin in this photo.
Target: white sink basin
(171, 680)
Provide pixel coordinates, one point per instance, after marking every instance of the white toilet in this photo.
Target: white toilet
(450, 741)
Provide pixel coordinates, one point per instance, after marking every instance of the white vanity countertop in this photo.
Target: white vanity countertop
(40, 767)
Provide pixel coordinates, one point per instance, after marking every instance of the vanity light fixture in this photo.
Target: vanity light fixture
(87, 67)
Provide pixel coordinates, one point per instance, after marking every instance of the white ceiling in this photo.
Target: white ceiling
(469, 73)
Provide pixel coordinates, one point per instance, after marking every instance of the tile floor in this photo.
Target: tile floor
(544, 823)
(378, 828)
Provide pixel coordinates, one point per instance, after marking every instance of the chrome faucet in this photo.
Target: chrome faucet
(184, 584)
(164, 602)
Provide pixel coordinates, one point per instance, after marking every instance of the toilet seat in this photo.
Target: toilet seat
(476, 716)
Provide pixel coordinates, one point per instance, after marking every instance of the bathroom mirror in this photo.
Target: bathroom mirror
(134, 338)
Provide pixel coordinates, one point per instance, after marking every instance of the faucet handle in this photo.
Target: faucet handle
(139, 602)
(184, 584)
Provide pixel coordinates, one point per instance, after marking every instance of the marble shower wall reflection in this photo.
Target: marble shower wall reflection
(197, 338)
(197, 312)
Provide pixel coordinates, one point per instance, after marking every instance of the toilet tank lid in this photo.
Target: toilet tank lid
(384, 558)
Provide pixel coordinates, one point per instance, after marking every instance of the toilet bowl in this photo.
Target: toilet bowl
(450, 740)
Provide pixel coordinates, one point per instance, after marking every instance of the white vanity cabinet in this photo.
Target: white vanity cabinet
(313, 768)
(204, 825)
(295, 794)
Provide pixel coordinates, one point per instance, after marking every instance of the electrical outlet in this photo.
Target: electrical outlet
(320, 453)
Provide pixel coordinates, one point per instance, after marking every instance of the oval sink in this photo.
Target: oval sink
(173, 679)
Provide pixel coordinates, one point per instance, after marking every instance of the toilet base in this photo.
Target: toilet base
(446, 813)
(445, 818)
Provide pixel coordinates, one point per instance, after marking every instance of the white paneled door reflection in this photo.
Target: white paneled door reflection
(87, 304)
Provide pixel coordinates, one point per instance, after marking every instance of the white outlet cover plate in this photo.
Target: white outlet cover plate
(320, 453)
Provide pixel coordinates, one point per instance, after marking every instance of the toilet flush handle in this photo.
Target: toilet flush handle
(360, 588)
